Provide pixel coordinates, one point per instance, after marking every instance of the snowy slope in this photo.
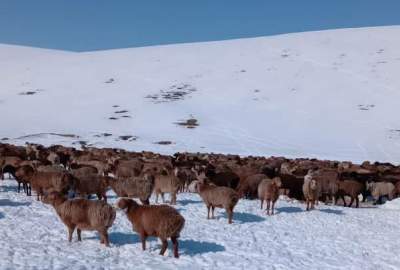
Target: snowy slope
(329, 94)
(33, 237)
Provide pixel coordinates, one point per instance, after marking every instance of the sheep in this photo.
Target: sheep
(51, 168)
(223, 178)
(55, 181)
(397, 188)
(379, 189)
(216, 196)
(327, 183)
(85, 170)
(167, 183)
(128, 168)
(350, 188)
(83, 214)
(162, 221)
(248, 187)
(135, 187)
(22, 176)
(92, 184)
(310, 190)
(268, 190)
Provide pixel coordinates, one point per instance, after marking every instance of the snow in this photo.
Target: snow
(393, 204)
(327, 94)
(331, 237)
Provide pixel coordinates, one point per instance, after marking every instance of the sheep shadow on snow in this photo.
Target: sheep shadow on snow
(121, 239)
(186, 202)
(289, 209)
(332, 211)
(7, 202)
(191, 247)
(1, 215)
(245, 217)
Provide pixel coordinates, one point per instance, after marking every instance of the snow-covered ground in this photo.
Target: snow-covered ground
(33, 237)
(329, 94)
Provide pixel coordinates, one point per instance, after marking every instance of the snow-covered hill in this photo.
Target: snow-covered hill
(329, 94)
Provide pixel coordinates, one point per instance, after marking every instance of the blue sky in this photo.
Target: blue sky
(84, 25)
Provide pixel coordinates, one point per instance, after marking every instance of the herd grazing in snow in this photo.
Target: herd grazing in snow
(66, 178)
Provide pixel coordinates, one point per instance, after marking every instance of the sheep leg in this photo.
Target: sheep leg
(262, 203)
(268, 206)
(71, 230)
(357, 201)
(273, 207)
(19, 187)
(164, 246)
(143, 239)
(162, 197)
(78, 231)
(307, 202)
(230, 215)
(351, 201)
(175, 244)
(105, 236)
(344, 200)
(208, 212)
(212, 211)
(157, 196)
(173, 199)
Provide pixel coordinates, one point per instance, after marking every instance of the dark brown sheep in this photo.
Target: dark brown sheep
(248, 187)
(350, 188)
(23, 175)
(161, 221)
(92, 184)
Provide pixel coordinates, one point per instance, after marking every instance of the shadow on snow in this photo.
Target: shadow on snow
(332, 211)
(191, 247)
(6, 202)
(289, 209)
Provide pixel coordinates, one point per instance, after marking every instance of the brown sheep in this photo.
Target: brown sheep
(167, 183)
(85, 170)
(128, 168)
(350, 188)
(51, 181)
(248, 187)
(310, 190)
(51, 168)
(23, 175)
(83, 214)
(327, 183)
(161, 221)
(135, 187)
(216, 196)
(92, 184)
(268, 190)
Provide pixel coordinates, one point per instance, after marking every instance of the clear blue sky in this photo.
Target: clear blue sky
(84, 25)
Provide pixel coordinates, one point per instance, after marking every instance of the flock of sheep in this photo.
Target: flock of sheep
(57, 173)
